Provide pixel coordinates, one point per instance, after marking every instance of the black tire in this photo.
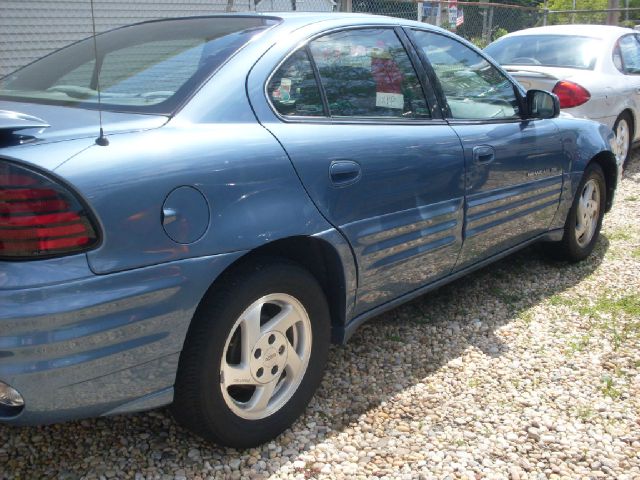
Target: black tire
(199, 404)
(627, 118)
(569, 248)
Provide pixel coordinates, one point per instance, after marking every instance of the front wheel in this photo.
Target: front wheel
(584, 221)
(254, 355)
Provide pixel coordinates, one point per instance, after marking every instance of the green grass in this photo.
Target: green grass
(629, 305)
(474, 382)
(632, 198)
(580, 344)
(585, 413)
(394, 338)
(558, 301)
(609, 389)
(619, 235)
(635, 253)
(619, 318)
(607, 314)
(504, 296)
(526, 316)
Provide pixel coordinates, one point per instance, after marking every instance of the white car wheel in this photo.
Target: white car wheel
(622, 131)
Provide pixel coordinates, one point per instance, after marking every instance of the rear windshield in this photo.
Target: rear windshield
(546, 50)
(147, 68)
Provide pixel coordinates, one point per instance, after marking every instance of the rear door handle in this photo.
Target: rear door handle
(483, 154)
(344, 172)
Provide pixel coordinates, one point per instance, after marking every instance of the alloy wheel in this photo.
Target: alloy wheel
(265, 356)
(622, 140)
(587, 212)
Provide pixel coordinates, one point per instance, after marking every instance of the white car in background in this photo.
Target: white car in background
(593, 69)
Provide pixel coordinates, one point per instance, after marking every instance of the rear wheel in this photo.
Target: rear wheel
(254, 355)
(622, 131)
(584, 221)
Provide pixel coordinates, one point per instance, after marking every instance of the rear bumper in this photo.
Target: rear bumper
(97, 344)
(588, 113)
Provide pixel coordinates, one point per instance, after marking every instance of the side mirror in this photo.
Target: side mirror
(542, 104)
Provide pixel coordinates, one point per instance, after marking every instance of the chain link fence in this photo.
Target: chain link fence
(480, 22)
(30, 29)
(625, 17)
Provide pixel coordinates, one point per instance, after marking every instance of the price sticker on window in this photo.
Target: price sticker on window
(389, 100)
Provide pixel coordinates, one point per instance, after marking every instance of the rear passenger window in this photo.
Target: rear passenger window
(293, 89)
(367, 73)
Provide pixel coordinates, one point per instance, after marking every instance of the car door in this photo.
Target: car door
(513, 165)
(350, 110)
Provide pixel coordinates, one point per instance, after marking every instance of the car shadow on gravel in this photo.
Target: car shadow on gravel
(413, 341)
(387, 355)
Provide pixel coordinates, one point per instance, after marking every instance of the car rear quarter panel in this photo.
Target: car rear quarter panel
(253, 194)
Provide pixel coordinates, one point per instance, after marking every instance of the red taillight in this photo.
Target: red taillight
(571, 94)
(39, 217)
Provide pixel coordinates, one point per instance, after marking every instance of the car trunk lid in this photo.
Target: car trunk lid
(26, 123)
(543, 77)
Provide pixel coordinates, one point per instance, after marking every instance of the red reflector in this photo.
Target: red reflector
(40, 245)
(27, 194)
(40, 217)
(571, 94)
(37, 220)
(31, 233)
(32, 206)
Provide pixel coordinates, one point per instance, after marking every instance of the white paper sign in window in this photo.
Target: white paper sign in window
(389, 100)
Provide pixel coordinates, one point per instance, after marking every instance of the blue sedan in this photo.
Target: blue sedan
(192, 210)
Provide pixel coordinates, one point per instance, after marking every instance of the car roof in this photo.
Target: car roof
(295, 20)
(593, 31)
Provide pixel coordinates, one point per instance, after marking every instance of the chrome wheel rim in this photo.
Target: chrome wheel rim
(265, 356)
(587, 213)
(622, 140)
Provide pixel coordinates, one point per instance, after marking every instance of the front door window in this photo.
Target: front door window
(474, 89)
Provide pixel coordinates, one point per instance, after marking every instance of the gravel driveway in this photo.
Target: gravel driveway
(525, 369)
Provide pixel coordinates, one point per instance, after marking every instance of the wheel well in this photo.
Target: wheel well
(607, 162)
(317, 256)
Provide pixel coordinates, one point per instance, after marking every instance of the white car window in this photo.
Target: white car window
(567, 51)
(626, 55)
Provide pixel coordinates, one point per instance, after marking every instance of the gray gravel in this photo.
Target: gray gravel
(528, 369)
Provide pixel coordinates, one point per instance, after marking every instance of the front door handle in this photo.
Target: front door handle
(483, 154)
(344, 172)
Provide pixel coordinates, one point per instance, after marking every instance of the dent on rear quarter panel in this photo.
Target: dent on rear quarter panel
(253, 193)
